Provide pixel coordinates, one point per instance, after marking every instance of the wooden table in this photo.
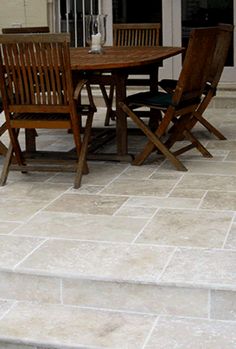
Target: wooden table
(121, 61)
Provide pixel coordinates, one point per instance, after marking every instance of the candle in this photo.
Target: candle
(96, 42)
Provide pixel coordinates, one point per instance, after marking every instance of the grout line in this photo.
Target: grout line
(8, 310)
(166, 265)
(29, 254)
(229, 229)
(150, 332)
(209, 304)
(145, 225)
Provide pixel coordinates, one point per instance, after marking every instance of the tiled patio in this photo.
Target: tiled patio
(137, 258)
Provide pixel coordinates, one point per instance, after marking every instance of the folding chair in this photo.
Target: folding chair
(19, 30)
(37, 93)
(130, 34)
(182, 103)
(217, 66)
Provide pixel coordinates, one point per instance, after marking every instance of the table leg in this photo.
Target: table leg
(121, 121)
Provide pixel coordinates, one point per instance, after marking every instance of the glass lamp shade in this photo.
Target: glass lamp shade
(95, 31)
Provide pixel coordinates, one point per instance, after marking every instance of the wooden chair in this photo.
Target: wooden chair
(22, 30)
(131, 34)
(19, 30)
(182, 103)
(221, 51)
(37, 93)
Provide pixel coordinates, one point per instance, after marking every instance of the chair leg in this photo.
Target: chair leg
(110, 114)
(6, 165)
(209, 126)
(3, 148)
(82, 163)
(153, 138)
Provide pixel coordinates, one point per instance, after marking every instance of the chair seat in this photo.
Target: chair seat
(159, 100)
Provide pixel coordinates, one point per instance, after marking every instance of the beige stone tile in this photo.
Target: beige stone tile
(187, 193)
(99, 174)
(25, 287)
(136, 297)
(219, 200)
(14, 248)
(87, 189)
(33, 191)
(149, 187)
(231, 156)
(87, 204)
(136, 211)
(171, 202)
(80, 328)
(181, 333)
(8, 227)
(138, 172)
(231, 239)
(205, 167)
(19, 210)
(98, 260)
(4, 307)
(223, 305)
(187, 228)
(219, 144)
(82, 227)
(207, 182)
(202, 267)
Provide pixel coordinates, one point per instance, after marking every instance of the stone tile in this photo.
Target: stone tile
(216, 200)
(219, 144)
(25, 287)
(99, 174)
(14, 248)
(207, 182)
(82, 227)
(192, 334)
(19, 210)
(4, 307)
(202, 267)
(8, 227)
(205, 167)
(187, 228)
(223, 305)
(231, 239)
(87, 204)
(171, 202)
(231, 156)
(138, 172)
(187, 193)
(97, 260)
(33, 191)
(136, 211)
(148, 187)
(136, 297)
(80, 328)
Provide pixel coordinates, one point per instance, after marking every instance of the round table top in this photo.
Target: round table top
(120, 57)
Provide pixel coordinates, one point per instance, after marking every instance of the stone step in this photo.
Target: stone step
(148, 279)
(34, 326)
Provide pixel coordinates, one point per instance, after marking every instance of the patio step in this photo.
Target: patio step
(99, 300)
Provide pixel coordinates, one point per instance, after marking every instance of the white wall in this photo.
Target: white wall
(22, 13)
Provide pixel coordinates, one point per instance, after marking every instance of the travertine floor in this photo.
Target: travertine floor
(137, 258)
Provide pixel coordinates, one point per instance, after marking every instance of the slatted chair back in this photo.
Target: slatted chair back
(22, 30)
(37, 90)
(136, 34)
(37, 73)
(131, 34)
(182, 103)
(224, 39)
